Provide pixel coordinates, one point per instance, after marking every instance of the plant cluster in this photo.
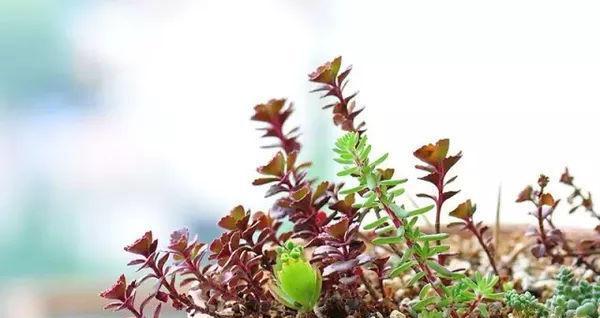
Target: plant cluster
(571, 299)
(348, 241)
(550, 241)
(524, 305)
(578, 199)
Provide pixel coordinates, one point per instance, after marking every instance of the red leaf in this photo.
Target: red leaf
(525, 195)
(538, 251)
(463, 211)
(342, 266)
(117, 291)
(433, 154)
(547, 199)
(142, 246)
(326, 73)
(162, 296)
(275, 167)
(230, 222)
(338, 229)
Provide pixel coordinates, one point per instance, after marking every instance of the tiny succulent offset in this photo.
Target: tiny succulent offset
(359, 246)
(297, 283)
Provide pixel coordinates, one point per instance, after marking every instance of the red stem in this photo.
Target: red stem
(472, 307)
(440, 199)
(164, 282)
(540, 217)
(565, 243)
(429, 276)
(543, 236)
(479, 236)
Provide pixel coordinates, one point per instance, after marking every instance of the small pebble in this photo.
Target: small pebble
(397, 314)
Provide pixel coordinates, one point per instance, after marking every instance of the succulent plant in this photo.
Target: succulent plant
(465, 212)
(550, 241)
(437, 163)
(253, 269)
(524, 305)
(577, 199)
(571, 299)
(297, 283)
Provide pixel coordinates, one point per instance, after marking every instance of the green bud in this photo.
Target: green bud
(297, 283)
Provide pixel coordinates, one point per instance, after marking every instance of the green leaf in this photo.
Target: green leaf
(348, 171)
(397, 192)
(368, 205)
(425, 290)
(441, 270)
(364, 154)
(371, 181)
(384, 230)
(344, 161)
(439, 249)
(376, 223)
(400, 231)
(434, 237)
(361, 143)
(402, 268)
(420, 211)
(352, 190)
(416, 278)
(405, 257)
(424, 302)
(388, 240)
(370, 202)
(391, 183)
(400, 212)
(347, 156)
(378, 161)
(413, 221)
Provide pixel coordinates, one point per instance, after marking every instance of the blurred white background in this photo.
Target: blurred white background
(122, 116)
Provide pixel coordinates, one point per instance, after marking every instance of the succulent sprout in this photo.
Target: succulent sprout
(297, 283)
(524, 305)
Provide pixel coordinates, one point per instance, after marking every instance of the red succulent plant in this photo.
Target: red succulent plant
(437, 164)
(552, 242)
(465, 212)
(333, 84)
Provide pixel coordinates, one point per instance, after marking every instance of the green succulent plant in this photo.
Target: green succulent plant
(524, 305)
(571, 299)
(297, 283)
(574, 298)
